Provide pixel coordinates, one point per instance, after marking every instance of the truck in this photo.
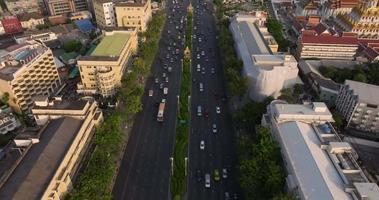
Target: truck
(161, 110)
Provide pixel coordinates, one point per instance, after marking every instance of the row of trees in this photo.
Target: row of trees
(261, 172)
(260, 164)
(95, 181)
(276, 30)
(369, 74)
(236, 83)
(178, 179)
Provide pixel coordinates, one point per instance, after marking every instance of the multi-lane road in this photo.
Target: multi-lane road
(144, 172)
(145, 169)
(219, 149)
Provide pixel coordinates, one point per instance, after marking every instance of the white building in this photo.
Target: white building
(318, 164)
(267, 74)
(358, 103)
(104, 13)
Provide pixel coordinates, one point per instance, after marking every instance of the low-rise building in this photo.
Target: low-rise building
(318, 163)
(267, 74)
(31, 20)
(22, 6)
(133, 14)
(358, 103)
(104, 13)
(8, 121)
(52, 156)
(326, 46)
(102, 70)
(28, 70)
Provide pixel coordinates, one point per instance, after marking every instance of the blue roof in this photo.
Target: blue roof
(84, 25)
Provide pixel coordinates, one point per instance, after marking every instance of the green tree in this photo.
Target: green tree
(261, 175)
(286, 94)
(360, 77)
(338, 119)
(5, 98)
(282, 196)
(73, 45)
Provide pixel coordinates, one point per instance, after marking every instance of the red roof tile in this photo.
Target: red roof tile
(327, 39)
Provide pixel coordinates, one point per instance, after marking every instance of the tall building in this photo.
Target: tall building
(46, 162)
(325, 46)
(318, 163)
(22, 6)
(101, 72)
(358, 103)
(104, 13)
(133, 14)
(266, 72)
(58, 7)
(28, 70)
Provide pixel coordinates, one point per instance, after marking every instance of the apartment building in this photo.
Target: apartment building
(22, 6)
(58, 7)
(51, 156)
(325, 46)
(27, 70)
(104, 13)
(101, 72)
(358, 103)
(319, 165)
(267, 73)
(133, 14)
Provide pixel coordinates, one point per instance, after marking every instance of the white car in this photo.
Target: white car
(151, 93)
(198, 56)
(214, 128)
(165, 91)
(218, 110)
(202, 53)
(224, 173)
(198, 69)
(202, 145)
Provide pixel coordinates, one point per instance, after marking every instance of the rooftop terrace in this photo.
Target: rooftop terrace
(111, 45)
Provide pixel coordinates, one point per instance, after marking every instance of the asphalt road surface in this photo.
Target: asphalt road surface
(220, 148)
(144, 172)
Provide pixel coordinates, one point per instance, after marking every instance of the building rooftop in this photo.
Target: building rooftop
(33, 173)
(367, 93)
(315, 110)
(317, 177)
(111, 45)
(328, 40)
(19, 56)
(324, 82)
(320, 164)
(248, 37)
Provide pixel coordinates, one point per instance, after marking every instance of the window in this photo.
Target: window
(372, 106)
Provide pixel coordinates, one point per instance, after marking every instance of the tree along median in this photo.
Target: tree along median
(96, 178)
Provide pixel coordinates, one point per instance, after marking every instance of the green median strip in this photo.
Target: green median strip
(95, 180)
(178, 178)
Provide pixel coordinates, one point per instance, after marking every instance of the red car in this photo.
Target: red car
(206, 113)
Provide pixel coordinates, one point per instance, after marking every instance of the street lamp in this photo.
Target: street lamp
(185, 162)
(172, 165)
